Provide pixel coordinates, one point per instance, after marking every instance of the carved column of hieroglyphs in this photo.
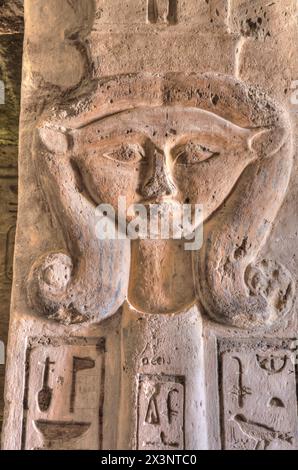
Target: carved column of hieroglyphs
(250, 419)
(141, 343)
(167, 389)
(75, 370)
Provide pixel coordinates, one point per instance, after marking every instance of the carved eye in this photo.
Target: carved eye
(193, 153)
(126, 154)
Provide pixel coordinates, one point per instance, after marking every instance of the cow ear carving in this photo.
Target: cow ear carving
(55, 140)
(266, 142)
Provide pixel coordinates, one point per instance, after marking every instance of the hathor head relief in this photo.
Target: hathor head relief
(165, 140)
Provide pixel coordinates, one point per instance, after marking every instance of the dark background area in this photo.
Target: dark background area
(11, 45)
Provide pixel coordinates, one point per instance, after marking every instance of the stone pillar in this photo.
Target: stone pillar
(143, 344)
(163, 384)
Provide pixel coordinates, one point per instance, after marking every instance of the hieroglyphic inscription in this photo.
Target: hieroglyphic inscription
(241, 391)
(64, 393)
(162, 11)
(79, 364)
(46, 393)
(272, 364)
(258, 401)
(161, 403)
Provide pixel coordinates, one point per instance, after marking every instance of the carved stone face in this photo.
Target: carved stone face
(166, 140)
(152, 155)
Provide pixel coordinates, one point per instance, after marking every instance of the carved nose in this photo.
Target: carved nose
(159, 183)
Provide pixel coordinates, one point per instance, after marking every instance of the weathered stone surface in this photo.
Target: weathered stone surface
(261, 19)
(168, 103)
(58, 54)
(207, 15)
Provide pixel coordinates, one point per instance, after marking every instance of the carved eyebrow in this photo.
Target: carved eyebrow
(100, 119)
(193, 146)
(106, 140)
(102, 134)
